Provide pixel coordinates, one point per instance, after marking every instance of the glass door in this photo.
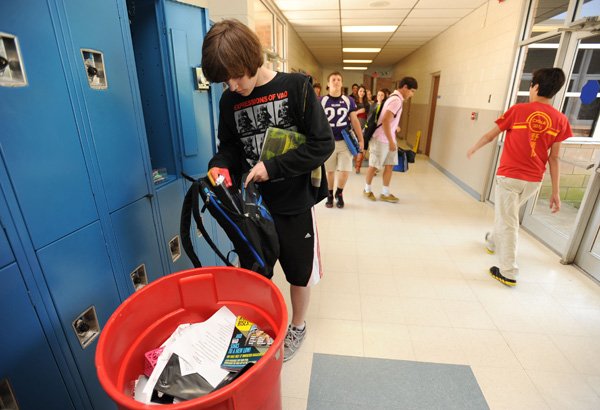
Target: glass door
(588, 256)
(577, 157)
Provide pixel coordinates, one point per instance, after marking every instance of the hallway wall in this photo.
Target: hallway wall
(474, 58)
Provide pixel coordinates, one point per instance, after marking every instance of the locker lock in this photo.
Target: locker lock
(92, 71)
(3, 63)
(86, 326)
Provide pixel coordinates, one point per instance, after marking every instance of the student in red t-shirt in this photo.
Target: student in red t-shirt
(534, 132)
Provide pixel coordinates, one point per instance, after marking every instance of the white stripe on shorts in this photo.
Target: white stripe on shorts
(317, 270)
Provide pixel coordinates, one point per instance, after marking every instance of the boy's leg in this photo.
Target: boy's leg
(300, 296)
(506, 224)
(299, 257)
(391, 159)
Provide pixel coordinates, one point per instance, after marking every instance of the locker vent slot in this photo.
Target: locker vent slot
(93, 63)
(86, 327)
(7, 397)
(139, 277)
(12, 72)
(175, 247)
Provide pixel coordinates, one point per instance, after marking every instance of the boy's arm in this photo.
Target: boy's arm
(554, 162)
(484, 140)
(357, 130)
(386, 124)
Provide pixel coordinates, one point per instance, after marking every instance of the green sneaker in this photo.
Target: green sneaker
(369, 195)
(388, 198)
(293, 341)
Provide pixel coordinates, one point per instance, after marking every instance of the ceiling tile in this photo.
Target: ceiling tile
(307, 5)
(439, 13)
(316, 22)
(375, 14)
(312, 14)
(429, 21)
(454, 4)
(379, 21)
(363, 4)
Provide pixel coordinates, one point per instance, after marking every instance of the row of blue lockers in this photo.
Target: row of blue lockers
(96, 100)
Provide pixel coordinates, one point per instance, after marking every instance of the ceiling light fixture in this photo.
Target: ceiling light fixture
(369, 29)
(355, 68)
(360, 50)
(358, 61)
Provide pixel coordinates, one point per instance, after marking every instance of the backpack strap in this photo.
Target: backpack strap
(381, 107)
(191, 207)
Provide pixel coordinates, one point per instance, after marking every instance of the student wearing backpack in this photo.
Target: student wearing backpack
(232, 53)
(383, 151)
(341, 112)
(369, 126)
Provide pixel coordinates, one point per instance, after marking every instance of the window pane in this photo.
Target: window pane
(582, 117)
(549, 15)
(539, 55)
(589, 8)
(263, 24)
(279, 38)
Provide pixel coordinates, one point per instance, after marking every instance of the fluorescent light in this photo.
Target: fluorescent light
(358, 61)
(369, 29)
(355, 68)
(360, 50)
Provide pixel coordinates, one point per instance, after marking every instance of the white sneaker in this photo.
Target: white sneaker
(293, 341)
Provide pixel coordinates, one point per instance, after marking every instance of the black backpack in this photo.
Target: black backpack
(243, 216)
(372, 121)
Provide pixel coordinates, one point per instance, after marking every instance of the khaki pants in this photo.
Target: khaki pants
(511, 194)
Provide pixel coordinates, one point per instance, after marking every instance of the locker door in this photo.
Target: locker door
(185, 29)
(79, 277)
(6, 254)
(100, 48)
(170, 199)
(137, 241)
(39, 138)
(29, 376)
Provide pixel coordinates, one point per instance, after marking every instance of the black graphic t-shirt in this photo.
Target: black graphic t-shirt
(288, 102)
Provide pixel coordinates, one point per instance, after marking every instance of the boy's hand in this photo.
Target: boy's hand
(258, 174)
(214, 173)
(555, 203)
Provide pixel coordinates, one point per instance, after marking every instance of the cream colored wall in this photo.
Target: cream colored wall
(299, 56)
(475, 58)
(242, 10)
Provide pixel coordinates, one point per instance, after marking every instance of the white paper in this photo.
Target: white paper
(202, 346)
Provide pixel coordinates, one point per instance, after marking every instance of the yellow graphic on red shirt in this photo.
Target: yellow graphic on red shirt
(537, 123)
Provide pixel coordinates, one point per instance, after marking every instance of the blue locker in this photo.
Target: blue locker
(155, 86)
(40, 140)
(26, 362)
(137, 239)
(170, 199)
(79, 276)
(6, 253)
(95, 25)
(186, 28)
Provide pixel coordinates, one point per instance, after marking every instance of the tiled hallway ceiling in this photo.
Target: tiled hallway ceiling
(319, 24)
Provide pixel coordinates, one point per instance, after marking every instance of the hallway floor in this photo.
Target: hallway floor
(409, 281)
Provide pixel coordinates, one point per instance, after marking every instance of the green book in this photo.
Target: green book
(279, 141)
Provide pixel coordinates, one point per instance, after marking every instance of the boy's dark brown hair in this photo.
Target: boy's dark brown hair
(410, 82)
(230, 50)
(549, 81)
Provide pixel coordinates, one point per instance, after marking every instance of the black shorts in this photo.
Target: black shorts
(299, 253)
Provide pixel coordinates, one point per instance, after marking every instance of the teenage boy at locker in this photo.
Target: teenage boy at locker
(232, 53)
(533, 130)
(341, 112)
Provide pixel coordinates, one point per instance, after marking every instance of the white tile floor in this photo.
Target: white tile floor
(409, 281)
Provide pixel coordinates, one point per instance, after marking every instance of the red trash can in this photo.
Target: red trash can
(149, 316)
